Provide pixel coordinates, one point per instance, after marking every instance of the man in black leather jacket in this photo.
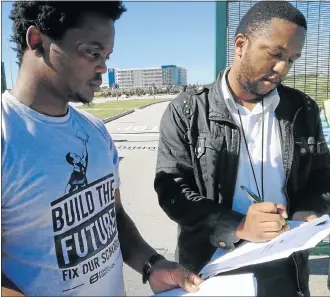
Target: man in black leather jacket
(246, 127)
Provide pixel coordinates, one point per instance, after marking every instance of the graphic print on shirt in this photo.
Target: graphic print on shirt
(79, 163)
(84, 223)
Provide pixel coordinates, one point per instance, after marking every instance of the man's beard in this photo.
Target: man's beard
(77, 98)
(244, 78)
(83, 100)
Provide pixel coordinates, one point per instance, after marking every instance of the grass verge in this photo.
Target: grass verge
(111, 108)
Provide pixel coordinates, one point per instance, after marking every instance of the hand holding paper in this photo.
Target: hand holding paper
(222, 286)
(167, 275)
(302, 236)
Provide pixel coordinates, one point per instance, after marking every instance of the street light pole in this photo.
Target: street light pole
(11, 73)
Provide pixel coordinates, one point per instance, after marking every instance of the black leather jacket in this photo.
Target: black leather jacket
(197, 167)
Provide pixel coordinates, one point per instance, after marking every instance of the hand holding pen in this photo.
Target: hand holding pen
(256, 199)
(264, 221)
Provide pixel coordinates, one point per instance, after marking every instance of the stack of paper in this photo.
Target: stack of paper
(300, 237)
(229, 285)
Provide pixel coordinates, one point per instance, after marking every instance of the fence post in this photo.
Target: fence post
(220, 36)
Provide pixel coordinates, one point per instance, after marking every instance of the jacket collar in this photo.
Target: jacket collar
(218, 109)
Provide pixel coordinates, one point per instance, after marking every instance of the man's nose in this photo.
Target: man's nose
(101, 67)
(282, 68)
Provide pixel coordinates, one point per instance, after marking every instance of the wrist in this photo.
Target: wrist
(149, 265)
(239, 230)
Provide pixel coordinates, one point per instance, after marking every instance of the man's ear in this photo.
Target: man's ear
(240, 43)
(34, 41)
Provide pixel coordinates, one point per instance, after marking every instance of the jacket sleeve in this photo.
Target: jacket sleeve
(316, 194)
(177, 190)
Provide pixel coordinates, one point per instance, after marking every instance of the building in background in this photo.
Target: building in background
(170, 75)
(111, 77)
(3, 78)
(147, 77)
(182, 76)
(139, 77)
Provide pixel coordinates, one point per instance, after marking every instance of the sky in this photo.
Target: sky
(151, 34)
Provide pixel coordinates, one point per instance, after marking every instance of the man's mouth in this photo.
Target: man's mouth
(273, 81)
(96, 85)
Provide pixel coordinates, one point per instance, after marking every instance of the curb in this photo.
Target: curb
(117, 116)
(152, 103)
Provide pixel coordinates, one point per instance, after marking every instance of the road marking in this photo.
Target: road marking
(139, 128)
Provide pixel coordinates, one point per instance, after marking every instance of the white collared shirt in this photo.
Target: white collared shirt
(273, 170)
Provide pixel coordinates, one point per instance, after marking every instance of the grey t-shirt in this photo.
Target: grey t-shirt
(59, 231)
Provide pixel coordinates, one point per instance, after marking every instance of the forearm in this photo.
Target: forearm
(8, 288)
(315, 197)
(312, 204)
(211, 220)
(9, 292)
(136, 251)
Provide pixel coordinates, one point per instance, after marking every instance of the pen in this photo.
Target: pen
(255, 198)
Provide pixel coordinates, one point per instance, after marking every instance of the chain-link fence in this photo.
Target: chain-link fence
(310, 73)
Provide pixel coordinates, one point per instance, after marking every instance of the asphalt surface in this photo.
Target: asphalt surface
(136, 138)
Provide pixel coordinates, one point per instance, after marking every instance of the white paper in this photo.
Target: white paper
(229, 285)
(300, 237)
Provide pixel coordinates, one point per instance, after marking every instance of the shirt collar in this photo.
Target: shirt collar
(271, 101)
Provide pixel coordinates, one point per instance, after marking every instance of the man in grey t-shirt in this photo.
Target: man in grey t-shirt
(72, 243)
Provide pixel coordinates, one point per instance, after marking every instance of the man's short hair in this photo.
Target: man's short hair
(254, 21)
(55, 18)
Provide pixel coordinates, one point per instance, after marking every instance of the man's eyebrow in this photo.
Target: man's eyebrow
(96, 43)
(93, 43)
(285, 50)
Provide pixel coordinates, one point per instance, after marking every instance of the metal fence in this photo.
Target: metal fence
(311, 73)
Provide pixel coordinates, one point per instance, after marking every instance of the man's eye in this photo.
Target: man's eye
(277, 56)
(93, 54)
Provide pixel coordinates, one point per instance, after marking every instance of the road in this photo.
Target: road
(136, 138)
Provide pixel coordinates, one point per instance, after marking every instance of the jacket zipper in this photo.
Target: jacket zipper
(238, 151)
(290, 159)
(300, 292)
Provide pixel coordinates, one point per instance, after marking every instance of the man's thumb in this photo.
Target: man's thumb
(282, 210)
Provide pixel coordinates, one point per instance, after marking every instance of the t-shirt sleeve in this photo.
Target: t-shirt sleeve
(115, 160)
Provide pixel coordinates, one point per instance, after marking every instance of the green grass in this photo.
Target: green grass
(323, 248)
(317, 87)
(108, 109)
